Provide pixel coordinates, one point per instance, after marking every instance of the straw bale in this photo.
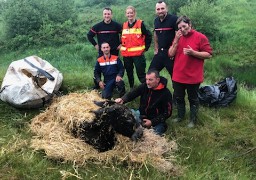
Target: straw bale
(53, 136)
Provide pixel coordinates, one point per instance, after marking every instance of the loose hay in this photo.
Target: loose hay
(53, 127)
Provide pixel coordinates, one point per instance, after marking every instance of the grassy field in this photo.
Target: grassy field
(222, 146)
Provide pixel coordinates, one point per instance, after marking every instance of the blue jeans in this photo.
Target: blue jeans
(109, 87)
(158, 129)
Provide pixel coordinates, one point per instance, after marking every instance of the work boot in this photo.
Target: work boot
(181, 112)
(193, 116)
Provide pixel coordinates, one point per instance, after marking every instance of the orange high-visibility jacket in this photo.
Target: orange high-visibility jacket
(133, 41)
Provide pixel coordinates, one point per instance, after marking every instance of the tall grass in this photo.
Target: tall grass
(234, 53)
(237, 17)
(222, 146)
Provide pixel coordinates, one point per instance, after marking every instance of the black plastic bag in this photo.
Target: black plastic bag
(220, 94)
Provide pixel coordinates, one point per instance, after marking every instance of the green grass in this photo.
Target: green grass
(222, 146)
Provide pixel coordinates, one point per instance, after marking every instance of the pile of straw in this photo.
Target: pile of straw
(53, 127)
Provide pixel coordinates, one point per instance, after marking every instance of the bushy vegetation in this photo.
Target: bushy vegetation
(31, 23)
(101, 2)
(205, 17)
(222, 146)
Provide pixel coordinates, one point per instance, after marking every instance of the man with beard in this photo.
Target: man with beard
(106, 31)
(164, 33)
(155, 102)
(112, 69)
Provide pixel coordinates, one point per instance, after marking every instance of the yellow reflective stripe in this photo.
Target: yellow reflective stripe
(132, 31)
(136, 48)
(123, 48)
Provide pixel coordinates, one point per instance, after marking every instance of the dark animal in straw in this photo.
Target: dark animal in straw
(111, 118)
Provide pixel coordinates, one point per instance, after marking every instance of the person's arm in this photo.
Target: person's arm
(120, 28)
(148, 36)
(120, 74)
(97, 72)
(203, 52)
(131, 95)
(156, 47)
(90, 37)
(120, 67)
(166, 106)
(97, 75)
(172, 50)
(200, 55)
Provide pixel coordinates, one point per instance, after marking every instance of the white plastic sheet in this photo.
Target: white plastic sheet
(25, 87)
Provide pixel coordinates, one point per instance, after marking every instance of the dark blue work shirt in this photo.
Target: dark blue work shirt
(165, 30)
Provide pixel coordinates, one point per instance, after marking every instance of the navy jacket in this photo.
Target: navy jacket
(110, 67)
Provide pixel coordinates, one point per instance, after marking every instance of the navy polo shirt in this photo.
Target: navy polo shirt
(165, 30)
(106, 33)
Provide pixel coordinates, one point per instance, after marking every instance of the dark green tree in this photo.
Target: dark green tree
(102, 2)
(174, 5)
(59, 11)
(33, 22)
(26, 16)
(21, 18)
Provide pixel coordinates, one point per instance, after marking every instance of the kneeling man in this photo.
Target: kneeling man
(112, 69)
(155, 101)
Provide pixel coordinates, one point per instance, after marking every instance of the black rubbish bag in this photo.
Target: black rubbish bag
(220, 94)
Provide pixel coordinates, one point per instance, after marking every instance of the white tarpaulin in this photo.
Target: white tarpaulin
(30, 82)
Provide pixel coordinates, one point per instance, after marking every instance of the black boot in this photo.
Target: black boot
(181, 112)
(193, 116)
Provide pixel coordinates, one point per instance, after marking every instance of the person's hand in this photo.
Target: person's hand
(147, 123)
(177, 37)
(96, 47)
(155, 51)
(102, 85)
(188, 51)
(118, 78)
(119, 100)
(119, 47)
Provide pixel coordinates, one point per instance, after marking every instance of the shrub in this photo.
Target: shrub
(205, 17)
(21, 18)
(101, 2)
(174, 5)
(55, 33)
(59, 11)
(35, 22)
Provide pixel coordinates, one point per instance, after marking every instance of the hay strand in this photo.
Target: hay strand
(52, 134)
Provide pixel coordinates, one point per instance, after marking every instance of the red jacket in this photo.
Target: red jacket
(189, 69)
(133, 41)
